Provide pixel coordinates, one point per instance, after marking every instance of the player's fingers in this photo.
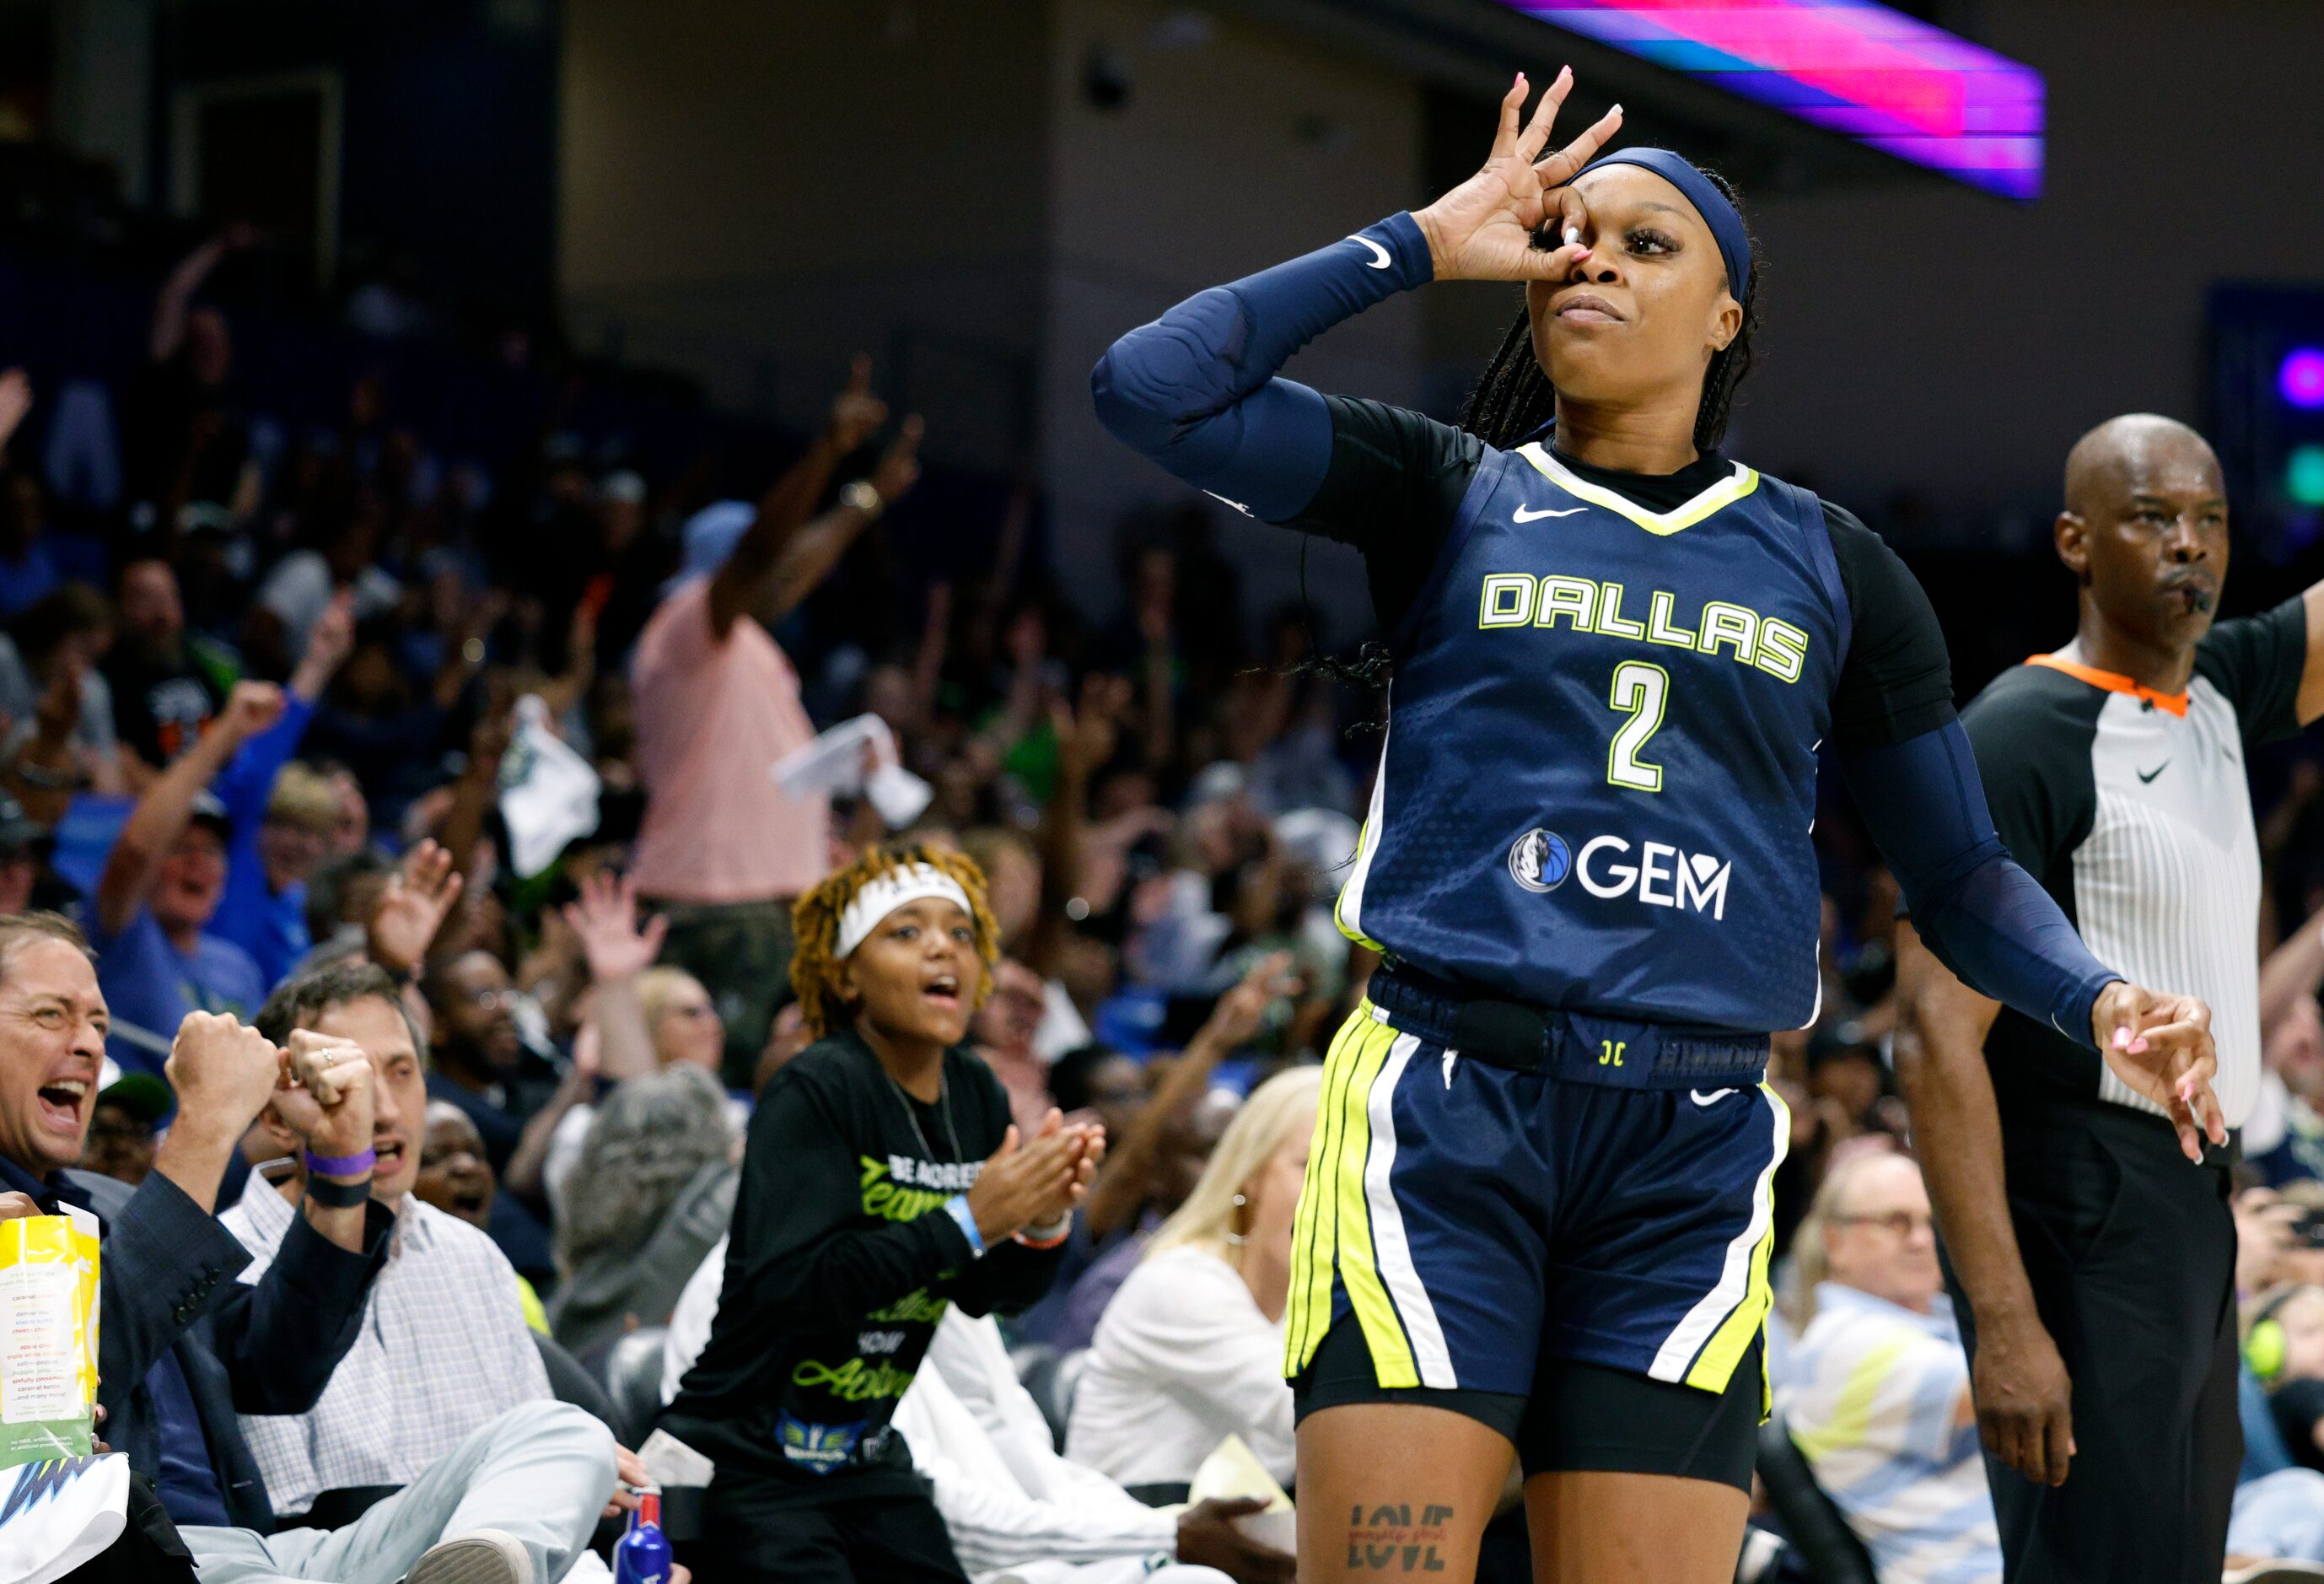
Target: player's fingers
(2215, 1121)
(1556, 264)
(859, 375)
(1535, 136)
(1566, 164)
(1571, 218)
(1505, 138)
(2178, 1034)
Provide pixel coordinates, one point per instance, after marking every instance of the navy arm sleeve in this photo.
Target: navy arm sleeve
(1196, 390)
(1984, 917)
(1897, 681)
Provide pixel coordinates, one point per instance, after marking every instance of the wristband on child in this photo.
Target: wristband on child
(956, 1207)
(1050, 1235)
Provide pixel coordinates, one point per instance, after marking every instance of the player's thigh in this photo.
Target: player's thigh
(1591, 1526)
(1395, 1490)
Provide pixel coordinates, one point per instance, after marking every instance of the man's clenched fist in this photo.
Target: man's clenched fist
(328, 1097)
(223, 1073)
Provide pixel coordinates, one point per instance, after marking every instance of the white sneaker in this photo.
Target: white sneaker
(2273, 1572)
(487, 1556)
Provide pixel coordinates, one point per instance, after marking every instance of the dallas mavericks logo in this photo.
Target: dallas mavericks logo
(1540, 861)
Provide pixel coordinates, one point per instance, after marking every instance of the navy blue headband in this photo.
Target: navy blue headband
(1726, 225)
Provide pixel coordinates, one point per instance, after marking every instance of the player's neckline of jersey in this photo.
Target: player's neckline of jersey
(1733, 485)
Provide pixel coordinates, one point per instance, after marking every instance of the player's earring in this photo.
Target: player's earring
(1239, 1222)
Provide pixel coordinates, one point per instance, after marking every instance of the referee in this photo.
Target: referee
(2092, 1265)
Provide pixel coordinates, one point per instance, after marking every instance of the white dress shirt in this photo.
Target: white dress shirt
(443, 1351)
(1182, 1358)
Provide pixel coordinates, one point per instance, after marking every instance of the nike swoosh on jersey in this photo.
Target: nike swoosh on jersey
(2151, 774)
(1712, 1099)
(1379, 260)
(1522, 515)
(1237, 505)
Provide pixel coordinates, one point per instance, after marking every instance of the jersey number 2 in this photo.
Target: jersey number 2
(1641, 688)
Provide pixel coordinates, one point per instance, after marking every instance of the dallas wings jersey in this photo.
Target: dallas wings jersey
(1598, 778)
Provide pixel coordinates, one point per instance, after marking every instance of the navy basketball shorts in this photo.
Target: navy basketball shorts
(1494, 1238)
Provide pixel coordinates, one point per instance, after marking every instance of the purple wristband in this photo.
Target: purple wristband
(341, 1165)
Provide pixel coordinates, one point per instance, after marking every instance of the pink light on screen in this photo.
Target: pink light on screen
(1856, 68)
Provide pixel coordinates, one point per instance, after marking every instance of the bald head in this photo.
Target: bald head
(2145, 532)
(2125, 453)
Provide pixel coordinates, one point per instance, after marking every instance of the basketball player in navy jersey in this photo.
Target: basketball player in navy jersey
(1538, 1210)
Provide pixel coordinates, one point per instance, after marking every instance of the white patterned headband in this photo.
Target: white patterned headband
(890, 891)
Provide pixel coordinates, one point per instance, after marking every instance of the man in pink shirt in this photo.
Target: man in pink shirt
(723, 852)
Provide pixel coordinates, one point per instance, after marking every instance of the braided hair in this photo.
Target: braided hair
(815, 928)
(1514, 397)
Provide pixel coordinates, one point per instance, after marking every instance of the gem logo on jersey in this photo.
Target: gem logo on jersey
(1663, 876)
(1540, 861)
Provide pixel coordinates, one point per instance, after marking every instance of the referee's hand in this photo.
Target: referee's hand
(2161, 1046)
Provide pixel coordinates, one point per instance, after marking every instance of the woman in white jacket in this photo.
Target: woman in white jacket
(1191, 1350)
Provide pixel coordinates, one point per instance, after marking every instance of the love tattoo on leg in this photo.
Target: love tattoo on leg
(1385, 1538)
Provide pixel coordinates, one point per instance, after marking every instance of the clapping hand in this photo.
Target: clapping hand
(1483, 229)
(1035, 1182)
(411, 909)
(606, 919)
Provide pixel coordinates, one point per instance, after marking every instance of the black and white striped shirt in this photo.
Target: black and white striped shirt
(2132, 808)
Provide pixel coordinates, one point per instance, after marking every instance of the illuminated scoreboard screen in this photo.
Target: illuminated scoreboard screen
(1860, 70)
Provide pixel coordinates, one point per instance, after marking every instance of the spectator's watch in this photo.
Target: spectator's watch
(861, 496)
(337, 1195)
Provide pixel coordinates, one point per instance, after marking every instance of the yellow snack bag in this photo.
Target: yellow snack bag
(48, 1337)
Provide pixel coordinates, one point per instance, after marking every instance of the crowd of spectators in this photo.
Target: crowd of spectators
(314, 718)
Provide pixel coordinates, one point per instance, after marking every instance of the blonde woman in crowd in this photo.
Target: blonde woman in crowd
(1191, 1350)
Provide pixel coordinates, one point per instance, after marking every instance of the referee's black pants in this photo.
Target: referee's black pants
(2130, 1251)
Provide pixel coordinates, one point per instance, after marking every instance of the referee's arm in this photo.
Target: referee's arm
(2310, 702)
(2021, 1388)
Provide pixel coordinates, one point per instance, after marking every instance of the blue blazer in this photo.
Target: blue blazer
(167, 1282)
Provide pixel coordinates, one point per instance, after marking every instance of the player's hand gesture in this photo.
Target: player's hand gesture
(1483, 229)
(2161, 1046)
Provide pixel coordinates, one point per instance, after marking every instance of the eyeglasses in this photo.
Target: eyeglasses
(1902, 1223)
